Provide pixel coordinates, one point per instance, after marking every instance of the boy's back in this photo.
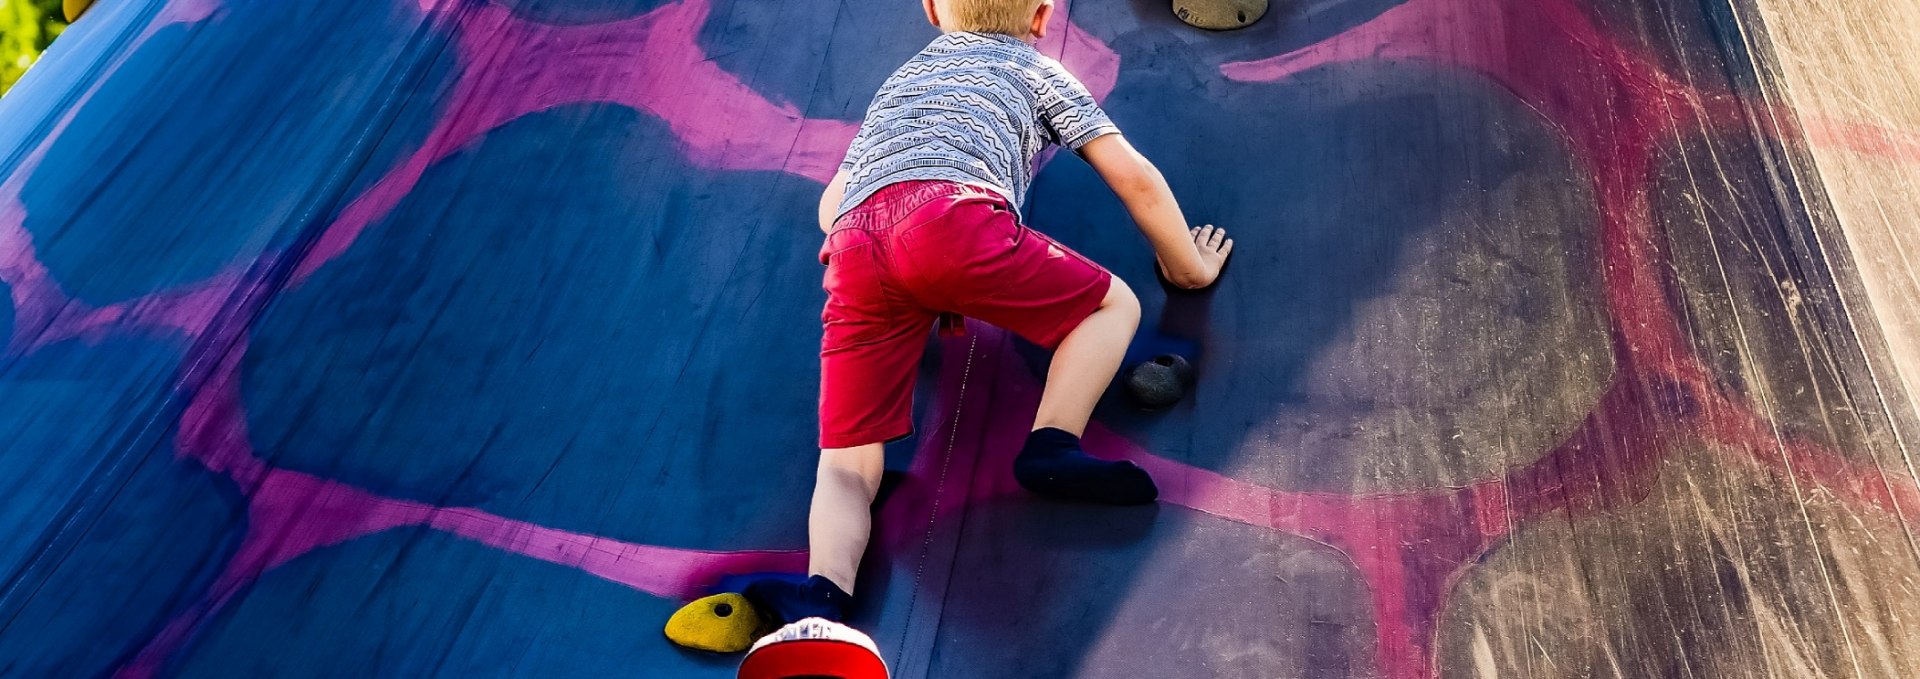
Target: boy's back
(970, 108)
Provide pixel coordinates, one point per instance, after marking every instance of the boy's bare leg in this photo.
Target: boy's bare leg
(1052, 463)
(1086, 361)
(837, 530)
(841, 518)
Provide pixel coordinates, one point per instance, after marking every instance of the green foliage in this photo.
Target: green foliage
(26, 28)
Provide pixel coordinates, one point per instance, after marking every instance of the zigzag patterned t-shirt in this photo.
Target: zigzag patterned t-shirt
(972, 108)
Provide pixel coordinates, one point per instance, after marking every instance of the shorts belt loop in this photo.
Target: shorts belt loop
(953, 325)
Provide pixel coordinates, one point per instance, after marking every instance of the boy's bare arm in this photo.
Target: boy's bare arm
(1189, 257)
(830, 200)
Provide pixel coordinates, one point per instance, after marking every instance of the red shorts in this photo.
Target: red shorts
(911, 253)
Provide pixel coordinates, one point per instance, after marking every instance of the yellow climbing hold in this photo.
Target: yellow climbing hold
(722, 623)
(75, 8)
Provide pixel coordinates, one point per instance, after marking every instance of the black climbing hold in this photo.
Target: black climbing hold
(1181, 368)
(1160, 382)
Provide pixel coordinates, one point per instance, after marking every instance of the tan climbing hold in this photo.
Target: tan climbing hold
(1220, 15)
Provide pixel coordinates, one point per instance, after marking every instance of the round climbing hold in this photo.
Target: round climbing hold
(722, 623)
(1220, 15)
(75, 8)
(1182, 369)
(1160, 382)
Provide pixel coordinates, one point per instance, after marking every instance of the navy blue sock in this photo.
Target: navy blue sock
(1052, 464)
(787, 601)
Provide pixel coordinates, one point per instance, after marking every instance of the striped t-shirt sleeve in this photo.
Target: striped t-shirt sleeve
(1068, 113)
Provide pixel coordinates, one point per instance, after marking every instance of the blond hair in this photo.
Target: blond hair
(1009, 17)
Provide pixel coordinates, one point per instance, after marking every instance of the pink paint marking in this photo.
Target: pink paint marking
(191, 11)
(44, 313)
(1817, 131)
(511, 68)
(292, 514)
(1546, 52)
(653, 63)
(598, 63)
(1864, 138)
(213, 429)
(187, 310)
(1086, 56)
(1612, 106)
(36, 297)
(1410, 547)
(288, 515)
(1735, 425)
(665, 572)
(1646, 328)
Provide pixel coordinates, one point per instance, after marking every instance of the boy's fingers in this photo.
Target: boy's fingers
(1226, 249)
(1214, 238)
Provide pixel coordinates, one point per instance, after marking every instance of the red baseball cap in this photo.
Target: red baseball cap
(814, 647)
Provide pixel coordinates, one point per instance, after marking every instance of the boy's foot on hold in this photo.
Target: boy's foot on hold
(786, 601)
(1053, 465)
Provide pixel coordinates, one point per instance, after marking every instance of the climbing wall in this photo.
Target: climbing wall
(472, 337)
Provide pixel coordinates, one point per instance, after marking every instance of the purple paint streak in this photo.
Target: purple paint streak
(1612, 107)
(1865, 138)
(511, 67)
(44, 313)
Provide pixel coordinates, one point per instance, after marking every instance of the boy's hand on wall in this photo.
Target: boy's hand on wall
(1214, 247)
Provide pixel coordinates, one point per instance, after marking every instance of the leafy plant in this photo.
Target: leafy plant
(26, 28)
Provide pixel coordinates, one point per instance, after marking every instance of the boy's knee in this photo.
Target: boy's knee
(865, 463)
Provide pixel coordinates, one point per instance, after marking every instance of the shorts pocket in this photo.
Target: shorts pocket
(949, 253)
(859, 308)
(839, 240)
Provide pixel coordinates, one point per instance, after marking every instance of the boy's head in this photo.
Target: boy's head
(1018, 18)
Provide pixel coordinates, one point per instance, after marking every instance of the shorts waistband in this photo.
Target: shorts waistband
(894, 203)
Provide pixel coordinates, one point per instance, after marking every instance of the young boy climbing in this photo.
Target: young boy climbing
(922, 224)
